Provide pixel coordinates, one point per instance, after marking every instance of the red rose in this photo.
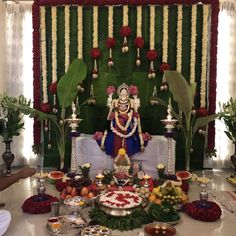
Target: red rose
(125, 31)
(53, 88)
(110, 42)
(139, 42)
(45, 107)
(164, 66)
(95, 53)
(133, 90)
(152, 55)
(202, 112)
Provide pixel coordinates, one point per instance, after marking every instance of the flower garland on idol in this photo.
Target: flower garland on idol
(152, 53)
(125, 30)
(179, 39)
(165, 66)
(110, 42)
(95, 52)
(139, 41)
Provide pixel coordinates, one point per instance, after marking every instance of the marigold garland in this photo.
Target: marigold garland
(193, 43)
(179, 39)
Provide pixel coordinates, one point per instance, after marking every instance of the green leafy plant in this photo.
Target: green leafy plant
(11, 122)
(66, 94)
(183, 94)
(228, 115)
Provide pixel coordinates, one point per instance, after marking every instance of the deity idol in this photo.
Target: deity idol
(123, 128)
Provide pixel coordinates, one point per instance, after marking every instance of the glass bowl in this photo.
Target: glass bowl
(75, 204)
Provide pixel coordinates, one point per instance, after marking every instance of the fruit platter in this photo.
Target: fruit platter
(119, 203)
(55, 175)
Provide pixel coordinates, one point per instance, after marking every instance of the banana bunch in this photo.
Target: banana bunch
(168, 193)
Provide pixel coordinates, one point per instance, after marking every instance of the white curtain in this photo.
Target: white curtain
(226, 81)
(19, 75)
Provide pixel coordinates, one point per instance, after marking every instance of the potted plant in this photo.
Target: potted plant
(228, 115)
(66, 94)
(189, 123)
(11, 124)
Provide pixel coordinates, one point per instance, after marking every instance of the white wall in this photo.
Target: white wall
(2, 46)
(2, 61)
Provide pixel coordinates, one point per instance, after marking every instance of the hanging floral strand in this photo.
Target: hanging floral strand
(53, 86)
(179, 39)
(193, 43)
(110, 42)
(152, 53)
(67, 37)
(80, 41)
(95, 52)
(165, 66)
(45, 107)
(204, 56)
(138, 41)
(125, 30)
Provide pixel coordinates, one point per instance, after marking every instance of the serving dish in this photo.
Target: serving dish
(66, 225)
(96, 230)
(159, 229)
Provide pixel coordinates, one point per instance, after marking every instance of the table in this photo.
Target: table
(87, 150)
(34, 225)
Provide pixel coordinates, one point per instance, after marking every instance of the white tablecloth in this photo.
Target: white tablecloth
(87, 150)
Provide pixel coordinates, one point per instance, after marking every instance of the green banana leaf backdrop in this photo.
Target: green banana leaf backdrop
(125, 69)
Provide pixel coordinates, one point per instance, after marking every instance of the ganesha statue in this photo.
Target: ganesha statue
(123, 128)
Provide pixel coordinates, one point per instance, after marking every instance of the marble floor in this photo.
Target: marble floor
(23, 224)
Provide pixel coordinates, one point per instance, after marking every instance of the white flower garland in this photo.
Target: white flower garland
(125, 135)
(165, 34)
(80, 32)
(103, 139)
(193, 43)
(179, 39)
(140, 134)
(152, 27)
(139, 21)
(95, 26)
(204, 56)
(54, 47)
(125, 15)
(110, 32)
(139, 31)
(43, 54)
(67, 37)
(110, 21)
(121, 127)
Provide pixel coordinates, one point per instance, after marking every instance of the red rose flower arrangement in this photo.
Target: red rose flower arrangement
(38, 204)
(138, 43)
(203, 210)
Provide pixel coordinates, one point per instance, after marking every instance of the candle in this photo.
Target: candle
(146, 177)
(99, 176)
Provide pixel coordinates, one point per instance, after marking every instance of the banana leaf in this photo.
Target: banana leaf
(202, 121)
(67, 85)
